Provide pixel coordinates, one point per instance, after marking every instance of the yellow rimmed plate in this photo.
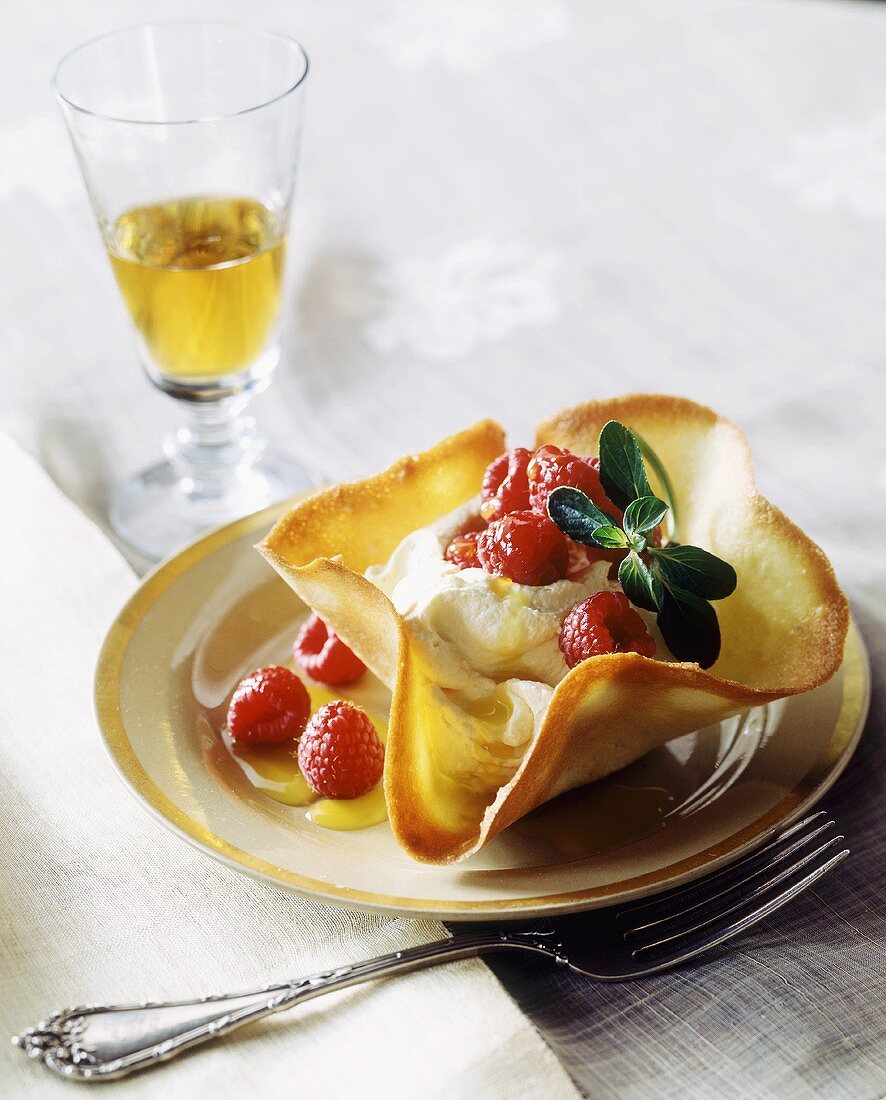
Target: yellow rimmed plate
(206, 617)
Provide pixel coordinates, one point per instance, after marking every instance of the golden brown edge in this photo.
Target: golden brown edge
(321, 525)
(110, 677)
(652, 679)
(588, 418)
(419, 834)
(327, 583)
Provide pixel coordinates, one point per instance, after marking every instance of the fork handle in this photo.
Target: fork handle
(99, 1043)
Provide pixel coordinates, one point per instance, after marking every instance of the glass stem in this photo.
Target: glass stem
(216, 449)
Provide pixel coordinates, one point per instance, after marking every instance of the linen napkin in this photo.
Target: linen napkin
(98, 902)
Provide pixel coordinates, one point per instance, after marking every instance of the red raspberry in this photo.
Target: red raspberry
(324, 656)
(603, 623)
(271, 704)
(340, 753)
(527, 547)
(581, 558)
(505, 488)
(552, 467)
(462, 551)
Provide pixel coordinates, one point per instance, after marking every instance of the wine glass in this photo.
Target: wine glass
(187, 135)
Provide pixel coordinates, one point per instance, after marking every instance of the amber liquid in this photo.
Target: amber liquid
(202, 280)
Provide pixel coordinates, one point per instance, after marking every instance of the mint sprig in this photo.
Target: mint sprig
(622, 472)
(676, 582)
(643, 515)
(642, 587)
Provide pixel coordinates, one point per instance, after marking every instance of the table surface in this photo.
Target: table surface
(506, 207)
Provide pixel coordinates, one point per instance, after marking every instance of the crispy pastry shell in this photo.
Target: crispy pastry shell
(783, 629)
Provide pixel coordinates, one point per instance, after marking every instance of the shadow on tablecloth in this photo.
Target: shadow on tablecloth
(794, 1009)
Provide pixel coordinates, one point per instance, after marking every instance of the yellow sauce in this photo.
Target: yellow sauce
(346, 814)
(513, 599)
(494, 710)
(501, 586)
(274, 770)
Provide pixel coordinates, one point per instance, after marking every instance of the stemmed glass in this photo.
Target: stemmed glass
(187, 135)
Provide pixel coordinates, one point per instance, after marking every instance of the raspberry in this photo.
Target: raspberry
(505, 488)
(462, 551)
(527, 547)
(324, 656)
(271, 704)
(552, 467)
(603, 623)
(581, 558)
(340, 753)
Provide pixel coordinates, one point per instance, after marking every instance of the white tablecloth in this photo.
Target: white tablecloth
(101, 904)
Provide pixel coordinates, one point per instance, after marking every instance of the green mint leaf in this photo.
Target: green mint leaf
(644, 514)
(610, 538)
(576, 514)
(637, 542)
(622, 473)
(695, 571)
(689, 627)
(640, 586)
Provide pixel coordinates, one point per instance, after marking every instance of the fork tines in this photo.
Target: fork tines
(697, 917)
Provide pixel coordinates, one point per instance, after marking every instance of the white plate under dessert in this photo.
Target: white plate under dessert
(208, 616)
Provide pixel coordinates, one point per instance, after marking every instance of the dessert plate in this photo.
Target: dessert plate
(206, 617)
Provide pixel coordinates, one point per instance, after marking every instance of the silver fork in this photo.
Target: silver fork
(97, 1043)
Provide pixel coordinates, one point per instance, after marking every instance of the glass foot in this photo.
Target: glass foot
(162, 509)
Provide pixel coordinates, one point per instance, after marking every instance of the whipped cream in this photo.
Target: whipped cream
(470, 624)
(490, 646)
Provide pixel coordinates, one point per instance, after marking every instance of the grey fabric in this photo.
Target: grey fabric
(792, 1010)
(796, 1008)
